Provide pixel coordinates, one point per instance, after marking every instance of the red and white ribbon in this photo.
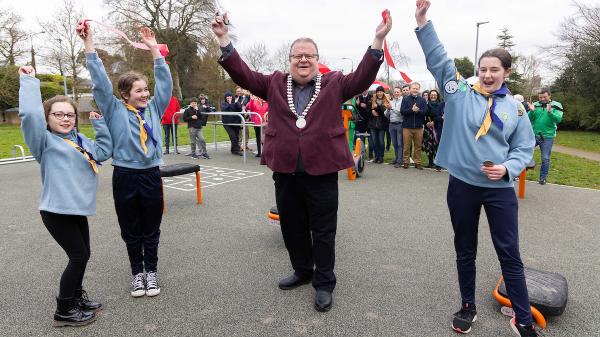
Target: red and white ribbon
(82, 25)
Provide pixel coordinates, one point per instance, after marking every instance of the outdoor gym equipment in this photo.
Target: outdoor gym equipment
(548, 293)
(180, 169)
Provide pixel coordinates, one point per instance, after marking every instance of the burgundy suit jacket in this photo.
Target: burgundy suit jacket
(322, 143)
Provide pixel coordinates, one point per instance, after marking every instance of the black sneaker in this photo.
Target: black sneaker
(464, 318)
(206, 156)
(138, 285)
(524, 331)
(542, 181)
(195, 156)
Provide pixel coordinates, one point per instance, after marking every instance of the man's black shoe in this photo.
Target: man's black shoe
(292, 282)
(323, 300)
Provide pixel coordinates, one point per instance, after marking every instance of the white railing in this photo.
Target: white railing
(222, 113)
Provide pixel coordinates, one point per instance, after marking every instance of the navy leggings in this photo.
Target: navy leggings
(500, 204)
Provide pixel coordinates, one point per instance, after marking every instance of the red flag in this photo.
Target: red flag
(388, 57)
(390, 62)
(405, 77)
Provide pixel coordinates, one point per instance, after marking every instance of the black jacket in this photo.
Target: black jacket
(413, 120)
(233, 107)
(363, 114)
(200, 121)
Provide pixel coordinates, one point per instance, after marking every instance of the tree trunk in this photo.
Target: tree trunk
(175, 75)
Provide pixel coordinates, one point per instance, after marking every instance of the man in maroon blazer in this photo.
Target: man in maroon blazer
(306, 146)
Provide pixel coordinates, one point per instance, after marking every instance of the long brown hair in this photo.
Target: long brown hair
(386, 101)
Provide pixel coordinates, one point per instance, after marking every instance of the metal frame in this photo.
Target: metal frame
(221, 113)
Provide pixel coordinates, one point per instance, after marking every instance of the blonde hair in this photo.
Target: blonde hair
(385, 100)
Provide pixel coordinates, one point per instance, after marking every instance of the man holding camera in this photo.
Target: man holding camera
(544, 115)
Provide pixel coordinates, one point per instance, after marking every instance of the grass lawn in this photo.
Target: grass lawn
(568, 170)
(582, 140)
(565, 169)
(11, 135)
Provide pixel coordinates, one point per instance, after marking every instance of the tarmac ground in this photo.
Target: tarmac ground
(219, 262)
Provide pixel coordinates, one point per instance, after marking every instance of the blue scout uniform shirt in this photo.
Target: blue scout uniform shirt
(459, 152)
(69, 184)
(123, 124)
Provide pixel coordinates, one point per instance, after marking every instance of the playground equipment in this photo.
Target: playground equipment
(181, 169)
(548, 293)
(357, 148)
(522, 178)
(273, 216)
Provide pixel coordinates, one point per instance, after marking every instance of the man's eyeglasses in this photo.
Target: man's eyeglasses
(308, 57)
(62, 115)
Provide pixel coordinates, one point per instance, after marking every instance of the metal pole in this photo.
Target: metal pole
(475, 63)
(215, 136)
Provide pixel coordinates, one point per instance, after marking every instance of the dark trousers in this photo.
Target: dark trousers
(388, 138)
(168, 128)
(233, 132)
(501, 208)
(72, 233)
(138, 201)
(257, 130)
(378, 138)
(307, 208)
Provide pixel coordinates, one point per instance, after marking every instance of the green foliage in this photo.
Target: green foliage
(578, 87)
(578, 84)
(49, 78)
(9, 87)
(464, 66)
(505, 39)
(515, 81)
(51, 89)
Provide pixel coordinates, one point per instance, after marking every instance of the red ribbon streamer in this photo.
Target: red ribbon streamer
(83, 23)
(390, 62)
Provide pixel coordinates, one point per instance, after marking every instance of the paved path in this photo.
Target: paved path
(576, 152)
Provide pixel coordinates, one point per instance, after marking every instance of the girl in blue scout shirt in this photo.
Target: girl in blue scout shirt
(69, 163)
(487, 141)
(134, 123)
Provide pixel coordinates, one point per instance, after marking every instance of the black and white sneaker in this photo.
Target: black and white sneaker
(464, 318)
(152, 288)
(138, 285)
(524, 331)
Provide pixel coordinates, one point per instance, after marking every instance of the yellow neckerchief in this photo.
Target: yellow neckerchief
(84, 153)
(490, 116)
(143, 133)
(487, 121)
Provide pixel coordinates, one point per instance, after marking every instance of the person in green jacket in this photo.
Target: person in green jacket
(544, 115)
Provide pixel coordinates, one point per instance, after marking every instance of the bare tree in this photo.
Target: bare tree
(11, 37)
(529, 67)
(257, 57)
(173, 21)
(280, 60)
(64, 44)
